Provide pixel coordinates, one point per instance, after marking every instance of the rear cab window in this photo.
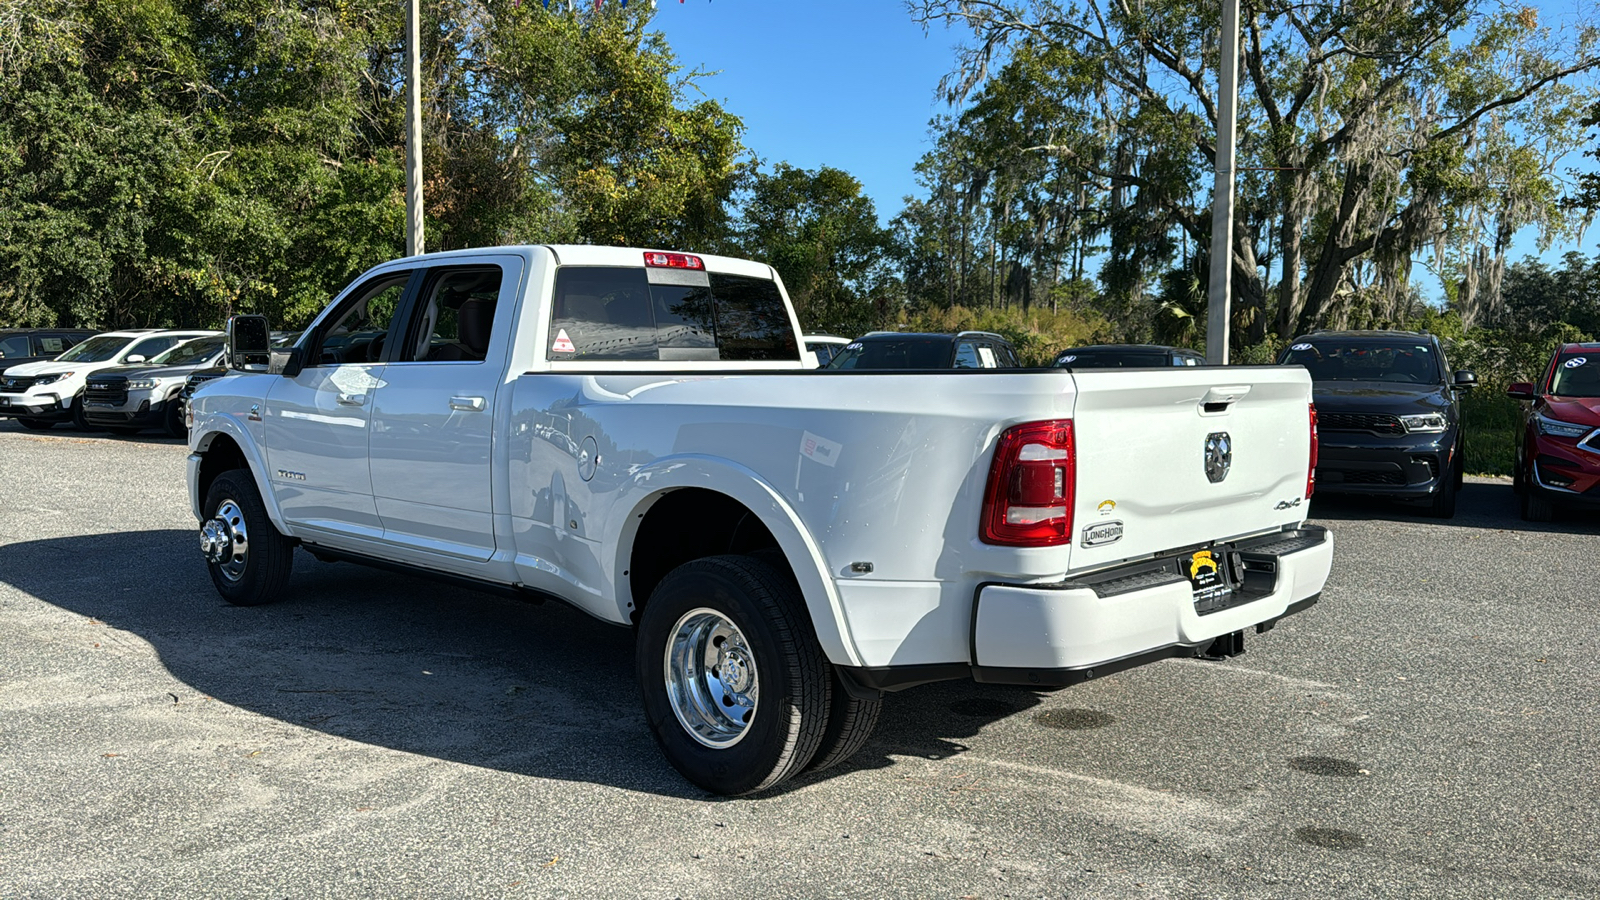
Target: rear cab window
(635, 314)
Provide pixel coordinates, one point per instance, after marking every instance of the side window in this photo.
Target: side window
(601, 313)
(360, 325)
(967, 356)
(455, 317)
(150, 348)
(752, 322)
(14, 347)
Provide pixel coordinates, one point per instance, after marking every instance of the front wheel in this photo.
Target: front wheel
(248, 558)
(172, 421)
(735, 687)
(1444, 498)
(79, 420)
(1536, 508)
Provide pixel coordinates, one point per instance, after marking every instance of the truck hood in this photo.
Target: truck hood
(1577, 410)
(1379, 397)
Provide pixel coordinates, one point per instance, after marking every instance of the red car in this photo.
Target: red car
(1558, 454)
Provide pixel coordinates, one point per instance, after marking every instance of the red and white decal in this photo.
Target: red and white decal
(563, 343)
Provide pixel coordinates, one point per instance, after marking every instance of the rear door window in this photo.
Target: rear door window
(14, 347)
(616, 313)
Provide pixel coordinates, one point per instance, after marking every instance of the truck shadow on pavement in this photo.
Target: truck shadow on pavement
(411, 665)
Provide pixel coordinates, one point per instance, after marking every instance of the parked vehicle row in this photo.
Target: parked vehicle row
(42, 394)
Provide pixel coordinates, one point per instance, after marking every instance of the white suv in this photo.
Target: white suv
(41, 394)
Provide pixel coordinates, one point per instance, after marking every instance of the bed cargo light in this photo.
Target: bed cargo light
(674, 261)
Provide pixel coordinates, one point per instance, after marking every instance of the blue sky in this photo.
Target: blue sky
(843, 83)
(852, 84)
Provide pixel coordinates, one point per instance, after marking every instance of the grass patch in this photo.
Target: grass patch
(1491, 421)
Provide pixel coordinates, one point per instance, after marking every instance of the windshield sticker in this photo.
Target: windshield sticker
(1301, 347)
(1068, 358)
(563, 343)
(853, 345)
(1575, 362)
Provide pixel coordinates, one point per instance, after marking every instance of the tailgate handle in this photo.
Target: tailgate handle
(1218, 399)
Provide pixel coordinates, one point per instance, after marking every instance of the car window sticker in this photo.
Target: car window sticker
(1575, 362)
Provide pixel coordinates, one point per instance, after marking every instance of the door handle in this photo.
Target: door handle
(470, 404)
(352, 399)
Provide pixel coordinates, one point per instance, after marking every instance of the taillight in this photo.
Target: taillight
(674, 261)
(1311, 468)
(1028, 500)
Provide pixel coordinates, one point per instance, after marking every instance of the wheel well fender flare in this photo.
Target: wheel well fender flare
(658, 479)
(225, 427)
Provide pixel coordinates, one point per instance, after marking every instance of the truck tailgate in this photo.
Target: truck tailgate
(1141, 441)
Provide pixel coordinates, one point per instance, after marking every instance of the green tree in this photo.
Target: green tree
(822, 235)
(1369, 133)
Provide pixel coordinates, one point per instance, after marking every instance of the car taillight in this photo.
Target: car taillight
(1311, 467)
(674, 261)
(1028, 500)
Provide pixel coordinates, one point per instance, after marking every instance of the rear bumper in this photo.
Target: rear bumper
(1085, 628)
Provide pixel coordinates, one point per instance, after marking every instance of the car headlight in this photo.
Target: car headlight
(1559, 428)
(1427, 423)
(52, 378)
(143, 384)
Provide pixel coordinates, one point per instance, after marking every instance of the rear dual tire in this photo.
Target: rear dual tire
(735, 687)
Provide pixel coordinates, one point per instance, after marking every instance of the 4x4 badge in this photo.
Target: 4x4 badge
(1219, 455)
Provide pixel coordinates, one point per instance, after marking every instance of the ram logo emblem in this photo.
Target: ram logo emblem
(1219, 456)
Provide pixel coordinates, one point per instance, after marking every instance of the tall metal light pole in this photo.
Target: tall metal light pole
(414, 130)
(1221, 284)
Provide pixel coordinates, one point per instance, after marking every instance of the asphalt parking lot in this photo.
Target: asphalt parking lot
(1429, 729)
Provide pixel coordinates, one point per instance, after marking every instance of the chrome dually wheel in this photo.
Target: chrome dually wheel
(735, 686)
(711, 677)
(225, 540)
(248, 558)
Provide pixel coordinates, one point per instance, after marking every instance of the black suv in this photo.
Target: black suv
(914, 350)
(29, 345)
(1388, 414)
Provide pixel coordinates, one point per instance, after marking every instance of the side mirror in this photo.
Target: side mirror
(1521, 390)
(249, 344)
(134, 359)
(1466, 379)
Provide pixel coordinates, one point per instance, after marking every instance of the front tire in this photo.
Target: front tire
(172, 421)
(248, 558)
(1536, 508)
(79, 420)
(1444, 498)
(735, 687)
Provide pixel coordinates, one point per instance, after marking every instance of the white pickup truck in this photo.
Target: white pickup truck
(636, 433)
